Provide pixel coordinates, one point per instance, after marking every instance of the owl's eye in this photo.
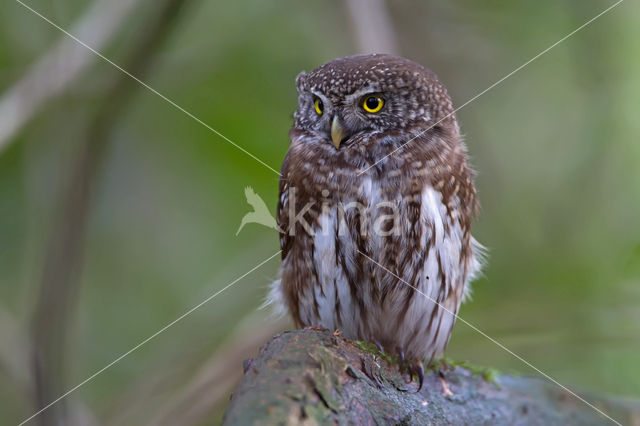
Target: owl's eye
(373, 103)
(319, 106)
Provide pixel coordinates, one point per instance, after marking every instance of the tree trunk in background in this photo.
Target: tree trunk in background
(59, 284)
(314, 377)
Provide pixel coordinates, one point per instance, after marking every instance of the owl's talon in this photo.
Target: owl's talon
(420, 372)
(414, 368)
(380, 348)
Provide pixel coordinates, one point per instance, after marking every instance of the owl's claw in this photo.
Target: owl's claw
(419, 368)
(414, 367)
(380, 348)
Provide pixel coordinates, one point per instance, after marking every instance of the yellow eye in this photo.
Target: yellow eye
(318, 105)
(373, 103)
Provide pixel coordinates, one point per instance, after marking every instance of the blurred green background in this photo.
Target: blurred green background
(556, 147)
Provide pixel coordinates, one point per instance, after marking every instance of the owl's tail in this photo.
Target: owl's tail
(275, 300)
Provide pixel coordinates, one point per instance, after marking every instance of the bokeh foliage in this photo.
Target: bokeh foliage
(556, 149)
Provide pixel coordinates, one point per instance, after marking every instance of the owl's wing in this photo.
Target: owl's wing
(282, 215)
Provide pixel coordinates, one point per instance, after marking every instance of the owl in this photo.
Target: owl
(375, 208)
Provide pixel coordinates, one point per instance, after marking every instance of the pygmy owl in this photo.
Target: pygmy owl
(376, 193)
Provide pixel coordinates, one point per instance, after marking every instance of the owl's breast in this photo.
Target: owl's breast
(373, 262)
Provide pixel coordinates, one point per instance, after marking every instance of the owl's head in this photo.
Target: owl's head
(370, 94)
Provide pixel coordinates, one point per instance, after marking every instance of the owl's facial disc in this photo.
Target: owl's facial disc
(359, 102)
(353, 113)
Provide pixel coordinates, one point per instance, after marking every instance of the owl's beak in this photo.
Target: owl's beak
(337, 131)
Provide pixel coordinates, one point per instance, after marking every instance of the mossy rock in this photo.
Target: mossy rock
(317, 377)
